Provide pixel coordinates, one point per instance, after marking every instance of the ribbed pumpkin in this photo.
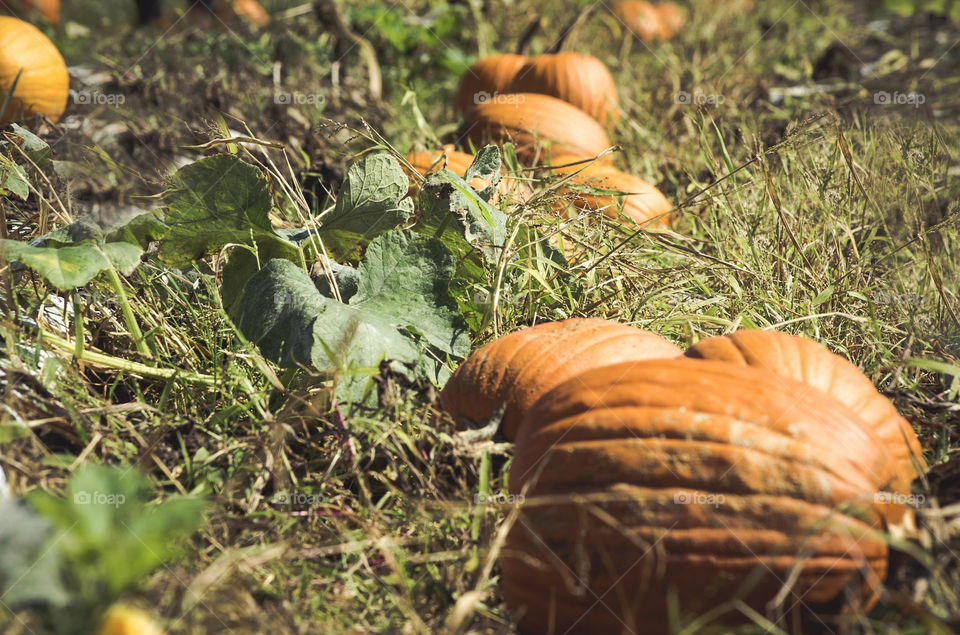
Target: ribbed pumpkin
(702, 480)
(458, 162)
(520, 367)
(622, 192)
(813, 364)
(576, 78)
(488, 77)
(651, 21)
(534, 122)
(44, 84)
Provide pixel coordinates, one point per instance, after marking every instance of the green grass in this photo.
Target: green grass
(825, 215)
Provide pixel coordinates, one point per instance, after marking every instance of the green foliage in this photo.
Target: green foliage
(75, 265)
(911, 7)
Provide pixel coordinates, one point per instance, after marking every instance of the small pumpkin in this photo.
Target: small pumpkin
(576, 78)
(814, 364)
(688, 480)
(516, 369)
(458, 162)
(536, 123)
(125, 619)
(618, 192)
(49, 9)
(488, 77)
(44, 83)
(252, 12)
(650, 21)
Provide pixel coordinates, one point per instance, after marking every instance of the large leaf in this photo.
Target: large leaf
(407, 277)
(402, 297)
(13, 179)
(216, 201)
(369, 201)
(449, 202)
(29, 570)
(74, 265)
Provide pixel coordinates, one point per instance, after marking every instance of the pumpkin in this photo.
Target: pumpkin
(49, 9)
(43, 85)
(458, 162)
(635, 198)
(650, 21)
(123, 619)
(688, 480)
(530, 120)
(488, 77)
(252, 12)
(813, 364)
(515, 370)
(578, 79)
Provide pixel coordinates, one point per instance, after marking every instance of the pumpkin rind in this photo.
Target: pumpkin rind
(610, 462)
(576, 78)
(640, 201)
(518, 368)
(650, 21)
(486, 78)
(44, 83)
(814, 364)
(532, 121)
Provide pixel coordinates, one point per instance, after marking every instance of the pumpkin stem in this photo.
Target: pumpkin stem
(523, 44)
(573, 24)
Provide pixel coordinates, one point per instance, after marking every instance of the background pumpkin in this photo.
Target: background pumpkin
(518, 368)
(610, 462)
(535, 122)
(576, 78)
(44, 83)
(650, 21)
(630, 195)
(487, 77)
(49, 9)
(812, 363)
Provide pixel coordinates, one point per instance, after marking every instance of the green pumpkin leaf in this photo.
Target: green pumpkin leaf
(369, 201)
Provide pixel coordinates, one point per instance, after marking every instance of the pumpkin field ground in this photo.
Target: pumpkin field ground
(812, 150)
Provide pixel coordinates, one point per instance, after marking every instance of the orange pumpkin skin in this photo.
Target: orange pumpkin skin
(458, 162)
(518, 368)
(640, 201)
(488, 77)
(44, 83)
(252, 12)
(49, 9)
(812, 363)
(650, 21)
(578, 79)
(615, 463)
(533, 121)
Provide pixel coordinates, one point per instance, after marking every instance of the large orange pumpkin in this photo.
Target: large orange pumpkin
(458, 162)
(515, 370)
(617, 192)
(488, 77)
(44, 83)
(812, 363)
(576, 78)
(535, 122)
(690, 481)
